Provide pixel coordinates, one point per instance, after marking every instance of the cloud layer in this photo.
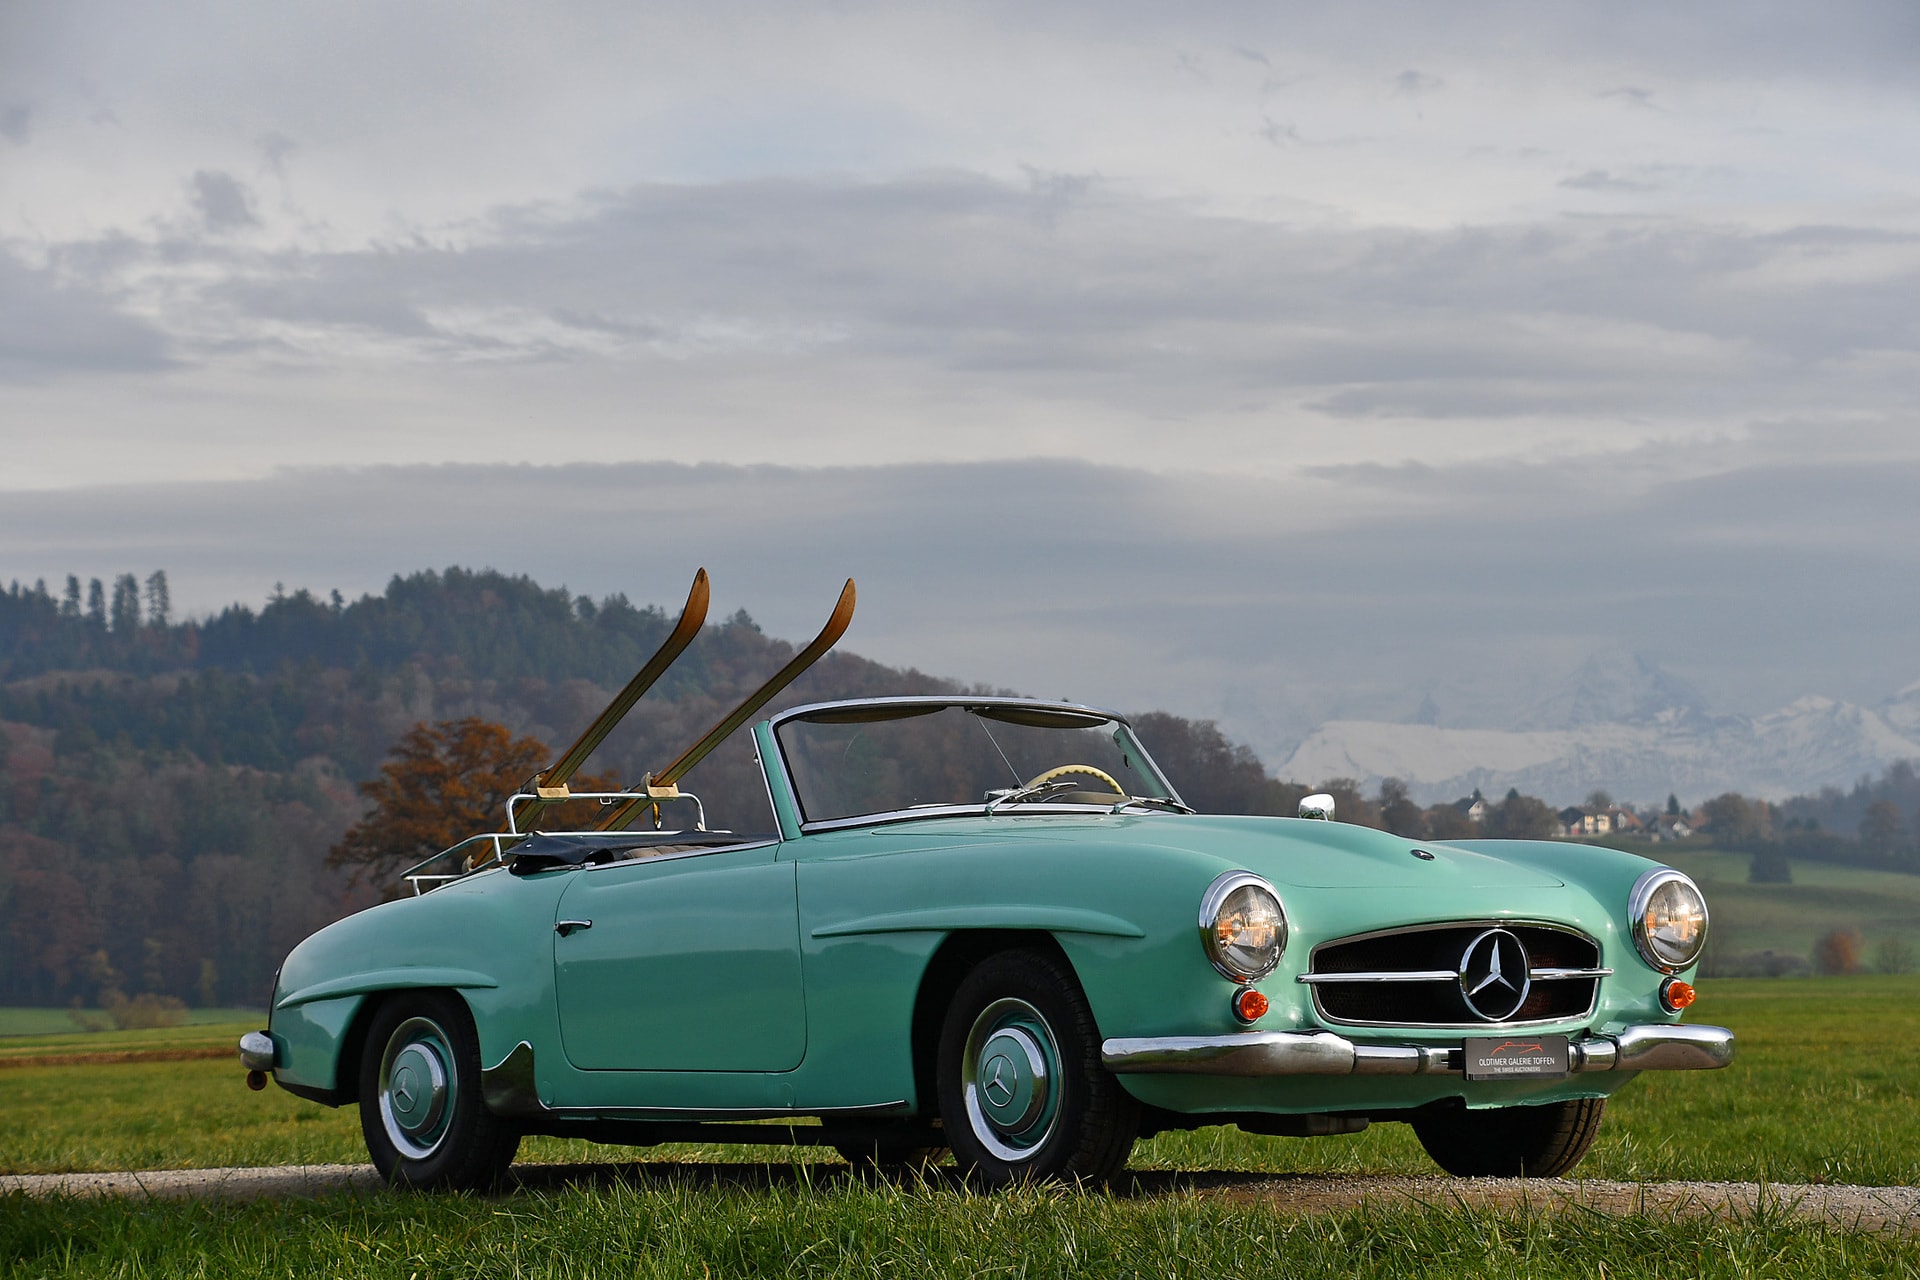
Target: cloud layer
(1272, 605)
(1271, 363)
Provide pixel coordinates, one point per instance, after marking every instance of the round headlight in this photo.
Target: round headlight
(1669, 919)
(1242, 926)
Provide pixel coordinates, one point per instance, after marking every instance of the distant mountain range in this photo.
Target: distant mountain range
(1637, 732)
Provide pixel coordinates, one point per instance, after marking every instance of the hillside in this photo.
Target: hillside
(169, 789)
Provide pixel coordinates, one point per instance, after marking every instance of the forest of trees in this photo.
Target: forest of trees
(170, 789)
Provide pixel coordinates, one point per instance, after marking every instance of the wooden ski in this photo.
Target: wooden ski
(550, 786)
(662, 786)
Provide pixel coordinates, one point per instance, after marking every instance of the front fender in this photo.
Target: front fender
(489, 937)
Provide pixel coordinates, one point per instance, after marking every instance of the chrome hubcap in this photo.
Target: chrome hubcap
(1010, 1079)
(417, 1087)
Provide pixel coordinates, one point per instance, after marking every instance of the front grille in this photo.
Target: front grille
(1411, 976)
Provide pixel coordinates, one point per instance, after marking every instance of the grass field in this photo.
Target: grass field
(781, 1222)
(1790, 917)
(16, 1021)
(1824, 1090)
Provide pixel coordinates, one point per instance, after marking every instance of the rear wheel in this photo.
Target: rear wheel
(1510, 1142)
(1022, 1092)
(420, 1106)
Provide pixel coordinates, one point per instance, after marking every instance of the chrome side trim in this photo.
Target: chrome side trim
(508, 1089)
(990, 916)
(1322, 1053)
(878, 1109)
(257, 1051)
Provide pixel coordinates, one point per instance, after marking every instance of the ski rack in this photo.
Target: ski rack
(549, 787)
(656, 787)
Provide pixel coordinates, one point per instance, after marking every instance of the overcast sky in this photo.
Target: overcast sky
(1264, 362)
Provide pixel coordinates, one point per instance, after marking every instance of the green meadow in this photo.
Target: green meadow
(1824, 1090)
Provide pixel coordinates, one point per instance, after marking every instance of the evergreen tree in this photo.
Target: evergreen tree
(126, 604)
(159, 602)
(96, 604)
(70, 603)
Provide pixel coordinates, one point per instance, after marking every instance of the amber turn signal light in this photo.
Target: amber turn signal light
(1676, 995)
(1249, 1005)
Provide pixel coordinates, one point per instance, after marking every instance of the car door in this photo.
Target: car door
(681, 962)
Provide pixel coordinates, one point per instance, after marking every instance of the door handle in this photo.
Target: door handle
(567, 927)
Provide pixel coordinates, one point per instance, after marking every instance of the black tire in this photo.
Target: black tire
(421, 1043)
(1075, 1124)
(1511, 1142)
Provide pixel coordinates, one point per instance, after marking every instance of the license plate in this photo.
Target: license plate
(1507, 1057)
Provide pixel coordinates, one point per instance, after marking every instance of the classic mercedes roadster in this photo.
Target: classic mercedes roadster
(984, 925)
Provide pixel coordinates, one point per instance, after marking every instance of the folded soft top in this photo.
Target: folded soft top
(543, 851)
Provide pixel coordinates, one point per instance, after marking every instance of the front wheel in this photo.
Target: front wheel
(1511, 1142)
(420, 1106)
(1022, 1092)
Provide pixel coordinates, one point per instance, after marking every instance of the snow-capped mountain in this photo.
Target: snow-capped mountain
(1641, 755)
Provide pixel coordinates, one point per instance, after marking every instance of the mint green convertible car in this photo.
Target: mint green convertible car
(987, 925)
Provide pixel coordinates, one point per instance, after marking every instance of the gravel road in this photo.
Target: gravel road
(1855, 1208)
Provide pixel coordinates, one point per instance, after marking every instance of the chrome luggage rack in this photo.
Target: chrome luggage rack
(489, 849)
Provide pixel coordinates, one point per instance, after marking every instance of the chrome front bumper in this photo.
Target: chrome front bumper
(1652, 1047)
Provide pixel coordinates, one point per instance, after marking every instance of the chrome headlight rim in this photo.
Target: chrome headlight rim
(1223, 887)
(1637, 903)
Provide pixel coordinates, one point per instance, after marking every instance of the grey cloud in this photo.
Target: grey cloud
(48, 330)
(16, 123)
(1602, 180)
(223, 201)
(1068, 284)
(276, 148)
(1413, 83)
(1632, 95)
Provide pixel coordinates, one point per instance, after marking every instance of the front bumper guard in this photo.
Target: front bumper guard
(1651, 1047)
(257, 1051)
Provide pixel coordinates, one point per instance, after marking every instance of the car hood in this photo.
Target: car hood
(1296, 851)
(1338, 855)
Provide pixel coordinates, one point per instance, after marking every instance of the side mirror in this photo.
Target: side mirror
(1319, 805)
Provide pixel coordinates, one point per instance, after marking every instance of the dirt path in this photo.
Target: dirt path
(1854, 1208)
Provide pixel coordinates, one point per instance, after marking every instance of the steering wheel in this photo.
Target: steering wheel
(1063, 769)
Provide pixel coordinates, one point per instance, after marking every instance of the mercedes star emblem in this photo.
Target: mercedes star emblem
(999, 1092)
(1494, 977)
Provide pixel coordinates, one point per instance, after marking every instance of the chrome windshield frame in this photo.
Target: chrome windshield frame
(941, 702)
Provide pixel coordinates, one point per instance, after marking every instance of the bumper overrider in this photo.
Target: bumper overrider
(1652, 1047)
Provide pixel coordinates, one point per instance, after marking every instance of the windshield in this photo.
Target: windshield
(850, 762)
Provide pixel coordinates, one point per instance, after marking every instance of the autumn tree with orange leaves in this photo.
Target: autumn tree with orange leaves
(441, 783)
